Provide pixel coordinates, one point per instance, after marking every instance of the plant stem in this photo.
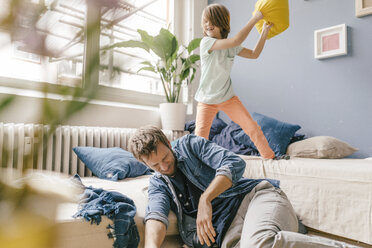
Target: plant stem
(178, 92)
(165, 88)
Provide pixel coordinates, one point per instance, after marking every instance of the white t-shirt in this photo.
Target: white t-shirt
(215, 83)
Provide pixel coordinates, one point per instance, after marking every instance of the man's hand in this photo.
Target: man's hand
(204, 226)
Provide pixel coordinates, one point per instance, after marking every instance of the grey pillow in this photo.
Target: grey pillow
(320, 147)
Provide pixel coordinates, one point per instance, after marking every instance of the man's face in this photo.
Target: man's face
(162, 160)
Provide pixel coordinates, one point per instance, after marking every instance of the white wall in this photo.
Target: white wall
(187, 26)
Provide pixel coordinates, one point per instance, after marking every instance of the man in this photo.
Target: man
(202, 183)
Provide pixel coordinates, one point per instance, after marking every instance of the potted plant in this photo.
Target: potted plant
(174, 64)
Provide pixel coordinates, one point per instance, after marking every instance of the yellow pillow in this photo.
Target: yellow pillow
(275, 12)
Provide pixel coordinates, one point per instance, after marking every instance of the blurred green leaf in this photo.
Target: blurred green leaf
(130, 43)
(6, 102)
(146, 63)
(146, 38)
(195, 43)
(194, 58)
(147, 69)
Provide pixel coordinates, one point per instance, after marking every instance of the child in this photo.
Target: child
(215, 91)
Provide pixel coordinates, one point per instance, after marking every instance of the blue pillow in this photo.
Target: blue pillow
(226, 140)
(111, 163)
(216, 128)
(277, 133)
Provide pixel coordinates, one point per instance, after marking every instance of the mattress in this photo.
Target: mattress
(330, 195)
(80, 234)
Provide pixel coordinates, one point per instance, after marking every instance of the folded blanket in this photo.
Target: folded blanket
(94, 203)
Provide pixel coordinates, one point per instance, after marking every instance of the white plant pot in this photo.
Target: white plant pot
(173, 116)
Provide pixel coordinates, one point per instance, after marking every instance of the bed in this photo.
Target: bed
(333, 196)
(330, 195)
(72, 230)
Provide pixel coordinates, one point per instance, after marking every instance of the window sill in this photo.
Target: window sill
(106, 96)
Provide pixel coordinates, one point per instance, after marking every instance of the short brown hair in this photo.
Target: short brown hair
(145, 141)
(219, 16)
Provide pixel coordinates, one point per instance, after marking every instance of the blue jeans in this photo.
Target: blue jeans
(266, 219)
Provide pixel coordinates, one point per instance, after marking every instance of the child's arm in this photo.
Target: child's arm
(239, 37)
(247, 53)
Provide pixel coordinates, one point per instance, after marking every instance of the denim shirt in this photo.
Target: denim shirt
(201, 161)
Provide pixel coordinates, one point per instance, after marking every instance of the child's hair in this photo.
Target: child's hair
(219, 16)
(145, 141)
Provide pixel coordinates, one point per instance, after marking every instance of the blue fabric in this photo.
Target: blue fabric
(226, 139)
(222, 134)
(297, 137)
(200, 161)
(97, 202)
(111, 163)
(277, 133)
(232, 137)
(216, 128)
(173, 142)
(224, 209)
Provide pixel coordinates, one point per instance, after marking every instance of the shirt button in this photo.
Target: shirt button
(180, 195)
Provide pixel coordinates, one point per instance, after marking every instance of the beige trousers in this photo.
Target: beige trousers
(266, 219)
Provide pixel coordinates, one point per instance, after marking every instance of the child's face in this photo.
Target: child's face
(211, 30)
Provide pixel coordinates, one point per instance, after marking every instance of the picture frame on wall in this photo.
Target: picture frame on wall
(363, 7)
(330, 42)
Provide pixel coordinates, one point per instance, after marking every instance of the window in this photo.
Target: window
(120, 66)
(51, 50)
(21, 53)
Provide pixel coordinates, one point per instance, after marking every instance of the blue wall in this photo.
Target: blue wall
(330, 97)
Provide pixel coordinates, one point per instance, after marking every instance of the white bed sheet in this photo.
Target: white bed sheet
(78, 233)
(330, 195)
(333, 196)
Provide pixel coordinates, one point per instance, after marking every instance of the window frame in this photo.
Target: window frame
(105, 93)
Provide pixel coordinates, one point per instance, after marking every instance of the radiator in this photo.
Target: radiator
(28, 146)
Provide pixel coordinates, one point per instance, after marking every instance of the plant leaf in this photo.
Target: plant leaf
(130, 43)
(6, 101)
(147, 63)
(195, 43)
(185, 74)
(192, 74)
(146, 38)
(174, 50)
(193, 58)
(164, 45)
(147, 68)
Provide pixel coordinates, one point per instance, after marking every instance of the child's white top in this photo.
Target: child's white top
(215, 83)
